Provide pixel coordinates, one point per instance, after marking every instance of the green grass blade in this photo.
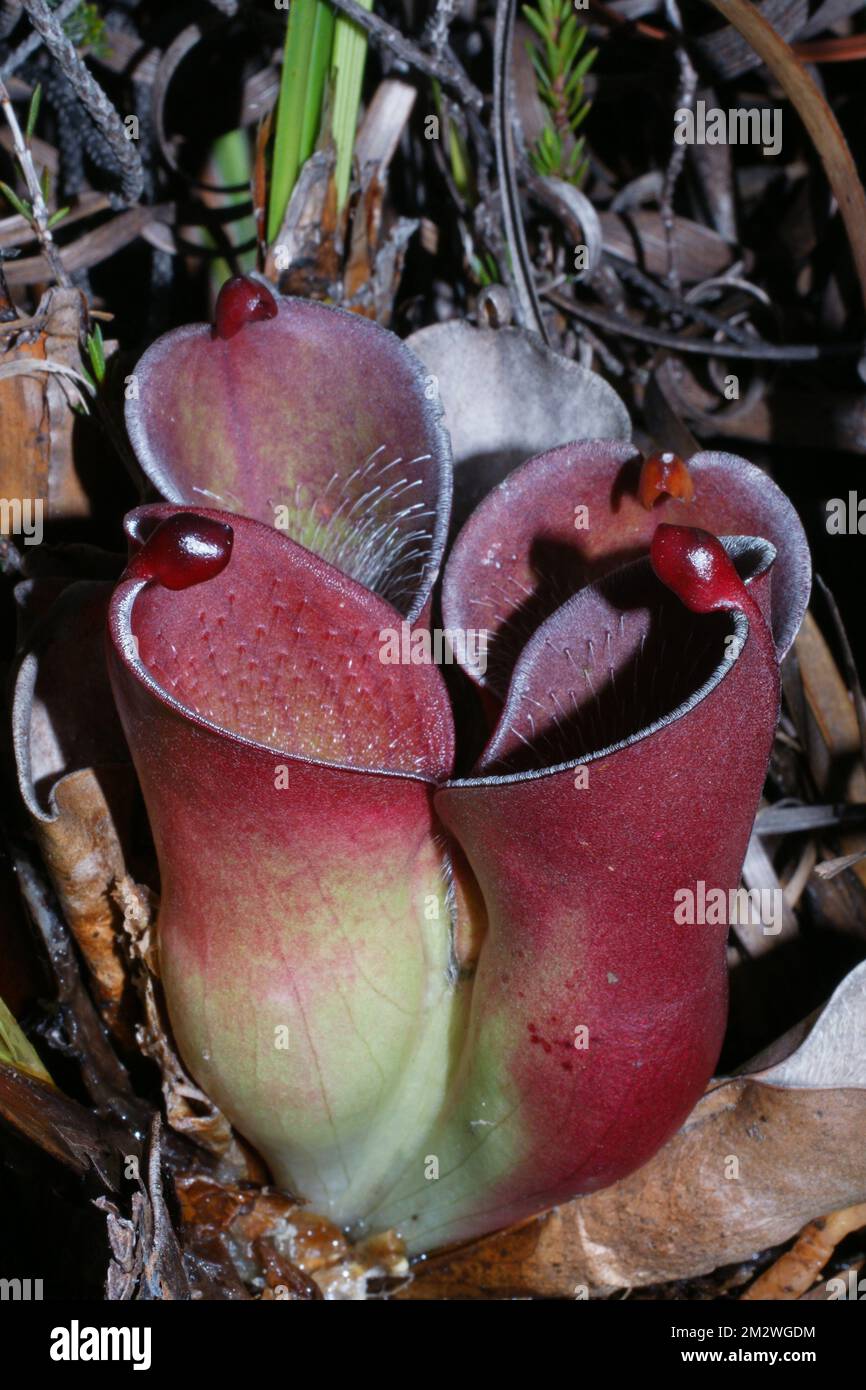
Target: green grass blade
(290, 110)
(320, 61)
(350, 55)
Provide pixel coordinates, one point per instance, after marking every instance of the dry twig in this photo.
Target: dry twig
(92, 97)
(794, 1273)
(34, 189)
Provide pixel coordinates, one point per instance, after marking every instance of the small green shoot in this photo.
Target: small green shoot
(560, 68)
(96, 353)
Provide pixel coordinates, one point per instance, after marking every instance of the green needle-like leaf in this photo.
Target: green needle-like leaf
(23, 209)
(536, 21)
(33, 112)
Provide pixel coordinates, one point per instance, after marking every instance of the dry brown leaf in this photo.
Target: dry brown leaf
(375, 262)
(146, 1261)
(730, 55)
(78, 788)
(679, 1217)
(305, 257)
(61, 1127)
(36, 420)
(366, 227)
(796, 1271)
(83, 856)
(265, 1235)
(639, 237)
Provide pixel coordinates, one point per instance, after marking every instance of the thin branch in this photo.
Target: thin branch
(447, 69)
(34, 189)
(34, 40)
(671, 303)
(10, 13)
(685, 100)
(757, 352)
(436, 32)
(831, 867)
(103, 1074)
(519, 273)
(91, 96)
